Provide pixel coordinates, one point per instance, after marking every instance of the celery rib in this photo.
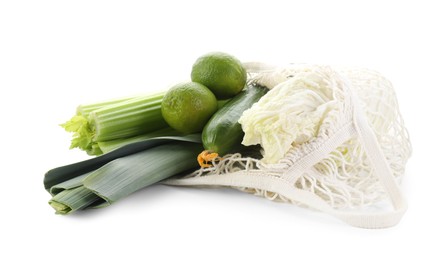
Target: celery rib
(109, 146)
(85, 109)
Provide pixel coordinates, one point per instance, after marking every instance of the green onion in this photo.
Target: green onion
(105, 179)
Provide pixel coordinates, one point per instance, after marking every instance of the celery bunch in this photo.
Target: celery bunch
(115, 121)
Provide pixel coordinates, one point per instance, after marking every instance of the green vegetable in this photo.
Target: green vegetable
(290, 114)
(115, 120)
(223, 134)
(103, 180)
(108, 146)
(85, 109)
(128, 118)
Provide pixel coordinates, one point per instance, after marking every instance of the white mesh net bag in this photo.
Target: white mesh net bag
(349, 165)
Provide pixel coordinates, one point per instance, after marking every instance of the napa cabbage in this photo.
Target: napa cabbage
(289, 114)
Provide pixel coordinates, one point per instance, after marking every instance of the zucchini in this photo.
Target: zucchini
(223, 134)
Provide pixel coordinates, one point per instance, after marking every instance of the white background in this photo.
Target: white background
(55, 55)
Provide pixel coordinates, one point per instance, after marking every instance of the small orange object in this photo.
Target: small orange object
(205, 157)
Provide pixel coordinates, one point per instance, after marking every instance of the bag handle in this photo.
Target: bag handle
(377, 159)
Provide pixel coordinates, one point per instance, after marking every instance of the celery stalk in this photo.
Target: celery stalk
(108, 146)
(114, 119)
(85, 109)
(128, 118)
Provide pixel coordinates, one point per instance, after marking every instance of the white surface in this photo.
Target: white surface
(55, 55)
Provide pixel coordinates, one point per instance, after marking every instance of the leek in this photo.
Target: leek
(72, 200)
(105, 179)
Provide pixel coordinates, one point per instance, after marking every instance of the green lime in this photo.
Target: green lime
(222, 73)
(187, 107)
